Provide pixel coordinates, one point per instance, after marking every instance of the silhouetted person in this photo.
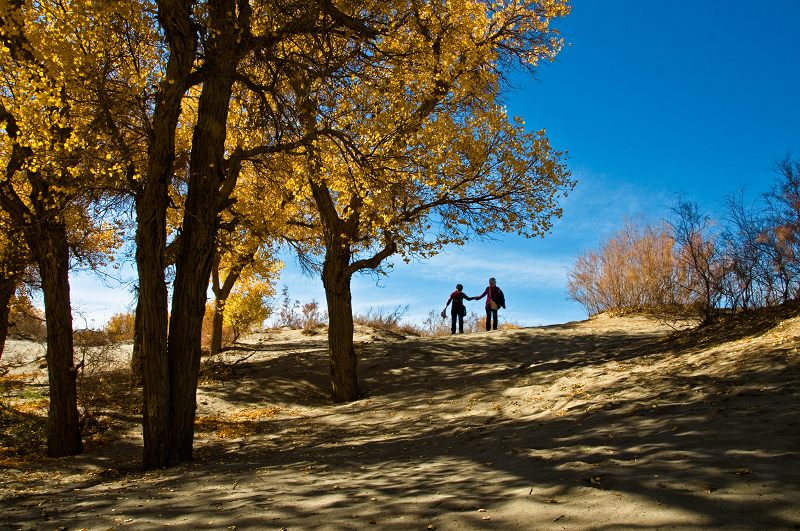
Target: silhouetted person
(458, 310)
(495, 299)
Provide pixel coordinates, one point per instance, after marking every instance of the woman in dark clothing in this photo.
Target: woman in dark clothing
(495, 299)
(458, 310)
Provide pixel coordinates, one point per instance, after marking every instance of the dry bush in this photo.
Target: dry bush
(635, 268)
(103, 382)
(435, 325)
(121, 327)
(387, 321)
(699, 258)
(288, 312)
(475, 322)
(313, 319)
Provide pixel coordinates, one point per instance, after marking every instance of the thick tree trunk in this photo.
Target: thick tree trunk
(336, 280)
(7, 288)
(49, 242)
(151, 211)
(152, 325)
(193, 267)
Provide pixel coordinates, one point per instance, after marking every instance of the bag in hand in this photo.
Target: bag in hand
(492, 305)
(444, 314)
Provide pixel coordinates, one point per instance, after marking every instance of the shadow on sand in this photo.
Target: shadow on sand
(448, 426)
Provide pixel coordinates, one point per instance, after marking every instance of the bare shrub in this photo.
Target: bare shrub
(699, 258)
(435, 325)
(313, 318)
(699, 268)
(289, 311)
(635, 268)
(783, 232)
(475, 322)
(103, 382)
(389, 321)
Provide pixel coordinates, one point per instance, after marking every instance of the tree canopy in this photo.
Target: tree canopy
(359, 131)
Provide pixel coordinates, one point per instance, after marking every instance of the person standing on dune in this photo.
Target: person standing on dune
(495, 300)
(458, 310)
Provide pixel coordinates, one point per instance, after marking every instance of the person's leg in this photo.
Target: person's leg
(460, 323)
(453, 322)
(488, 319)
(494, 319)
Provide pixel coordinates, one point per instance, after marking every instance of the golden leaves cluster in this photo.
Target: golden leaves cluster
(404, 129)
(423, 151)
(67, 66)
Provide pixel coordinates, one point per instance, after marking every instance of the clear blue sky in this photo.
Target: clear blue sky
(651, 99)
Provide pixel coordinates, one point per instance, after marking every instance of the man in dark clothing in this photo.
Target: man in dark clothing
(458, 310)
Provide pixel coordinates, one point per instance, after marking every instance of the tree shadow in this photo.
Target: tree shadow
(428, 444)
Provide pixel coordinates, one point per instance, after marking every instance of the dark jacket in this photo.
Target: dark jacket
(496, 295)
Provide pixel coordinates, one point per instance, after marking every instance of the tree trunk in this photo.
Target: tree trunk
(7, 288)
(151, 211)
(336, 280)
(152, 325)
(222, 290)
(193, 267)
(48, 240)
(216, 326)
(136, 354)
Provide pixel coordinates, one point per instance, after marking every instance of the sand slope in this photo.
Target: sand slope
(610, 423)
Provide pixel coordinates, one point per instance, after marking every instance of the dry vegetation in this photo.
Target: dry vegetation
(697, 265)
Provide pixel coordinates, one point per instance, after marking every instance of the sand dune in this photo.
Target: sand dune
(609, 423)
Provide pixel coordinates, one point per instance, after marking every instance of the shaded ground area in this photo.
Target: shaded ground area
(604, 424)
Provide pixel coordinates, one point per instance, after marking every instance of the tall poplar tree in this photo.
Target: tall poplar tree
(412, 150)
(52, 161)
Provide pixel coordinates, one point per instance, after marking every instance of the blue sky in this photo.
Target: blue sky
(651, 99)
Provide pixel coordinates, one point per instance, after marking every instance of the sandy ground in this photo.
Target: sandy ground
(610, 423)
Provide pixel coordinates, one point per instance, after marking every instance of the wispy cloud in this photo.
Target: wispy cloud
(475, 265)
(95, 301)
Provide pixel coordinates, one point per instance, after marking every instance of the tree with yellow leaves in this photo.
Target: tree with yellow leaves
(213, 46)
(412, 150)
(244, 268)
(52, 160)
